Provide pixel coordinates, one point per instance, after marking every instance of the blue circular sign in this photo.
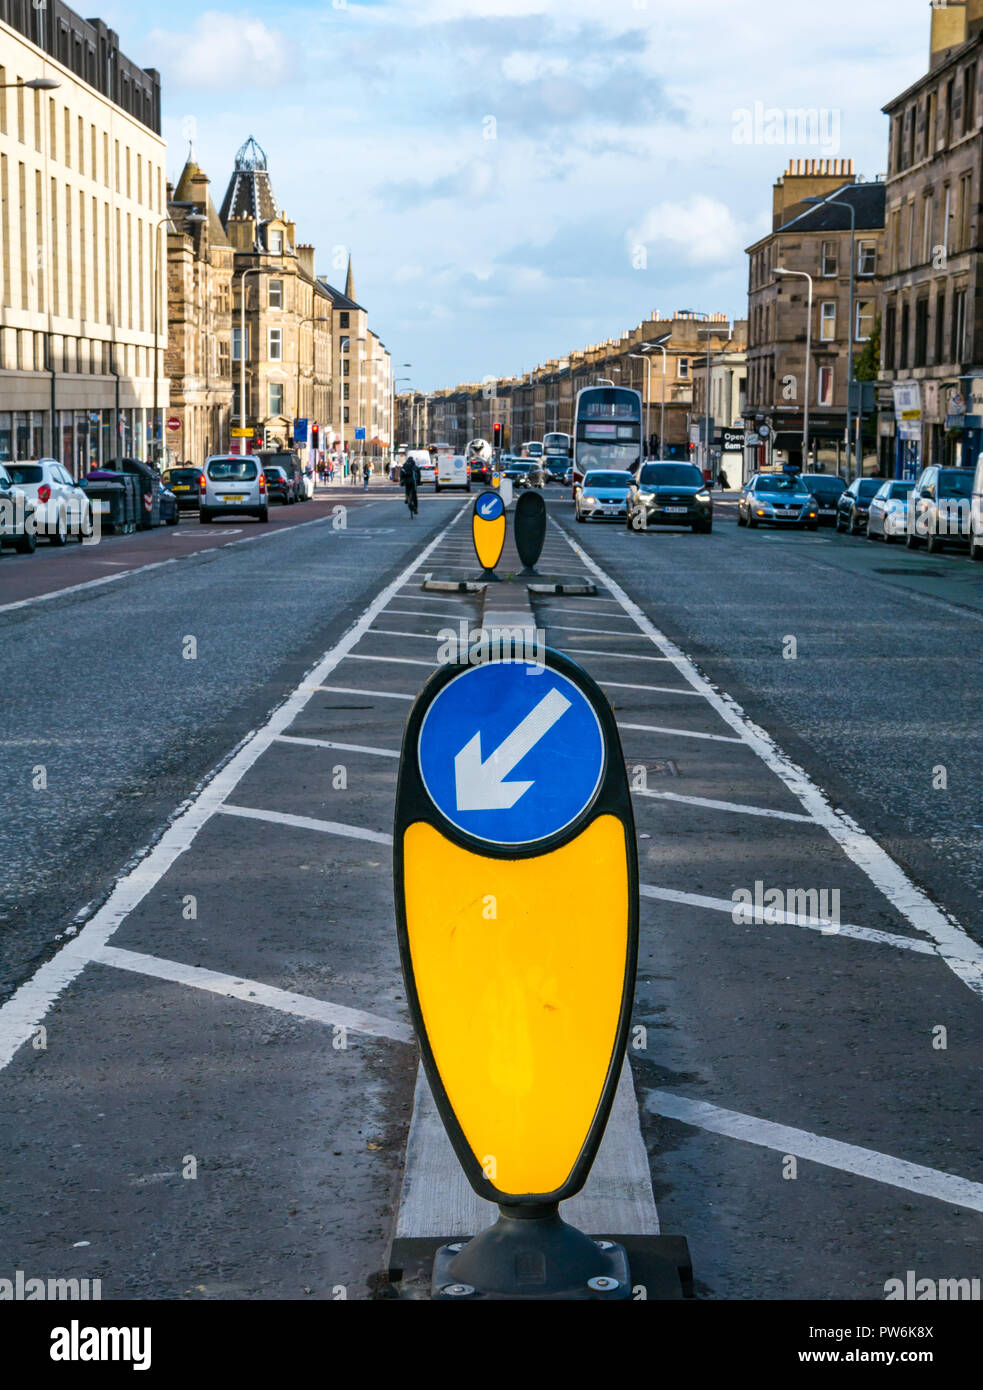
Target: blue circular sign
(489, 506)
(511, 752)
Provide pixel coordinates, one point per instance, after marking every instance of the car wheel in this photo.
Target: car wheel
(752, 522)
(740, 518)
(173, 519)
(913, 542)
(27, 543)
(812, 526)
(60, 534)
(935, 543)
(263, 514)
(839, 523)
(204, 517)
(852, 528)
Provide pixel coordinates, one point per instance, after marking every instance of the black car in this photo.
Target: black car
(669, 494)
(556, 466)
(854, 504)
(278, 485)
(185, 483)
(827, 489)
(290, 464)
(170, 512)
(480, 470)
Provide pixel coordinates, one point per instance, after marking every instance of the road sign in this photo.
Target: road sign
(173, 423)
(530, 527)
(488, 528)
(517, 910)
(238, 433)
(300, 431)
(360, 432)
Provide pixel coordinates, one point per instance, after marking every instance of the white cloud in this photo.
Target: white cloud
(531, 67)
(699, 231)
(224, 51)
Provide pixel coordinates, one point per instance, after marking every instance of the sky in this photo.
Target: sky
(519, 178)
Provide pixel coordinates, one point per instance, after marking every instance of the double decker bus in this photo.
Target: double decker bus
(557, 445)
(607, 430)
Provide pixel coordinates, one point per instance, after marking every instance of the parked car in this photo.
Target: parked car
(939, 509)
(170, 512)
(776, 499)
(278, 485)
(17, 525)
(887, 516)
(827, 489)
(976, 515)
(568, 477)
(290, 464)
(604, 494)
(669, 494)
(183, 482)
(854, 504)
(62, 508)
(233, 484)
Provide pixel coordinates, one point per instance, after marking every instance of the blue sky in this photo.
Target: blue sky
(516, 178)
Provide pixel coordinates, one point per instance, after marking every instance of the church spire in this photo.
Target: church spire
(350, 282)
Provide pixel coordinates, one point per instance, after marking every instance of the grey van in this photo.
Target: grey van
(233, 483)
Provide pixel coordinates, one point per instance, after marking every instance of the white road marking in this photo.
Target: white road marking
(23, 1012)
(390, 660)
(596, 631)
(655, 689)
(611, 656)
(423, 636)
(376, 694)
(815, 1148)
(712, 805)
(326, 827)
(916, 944)
(679, 733)
(962, 954)
(252, 992)
(463, 612)
(339, 747)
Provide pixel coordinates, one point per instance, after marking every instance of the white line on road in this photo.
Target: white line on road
(916, 944)
(376, 694)
(326, 827)
(712, 805)
(339, 747)
(679, 733)
(23, 1012)
(392, 660)
(463, 612)
(654, 689)
(596, 631)
(815, 1148)
(611, 656)
(252, 992)
(961, 953)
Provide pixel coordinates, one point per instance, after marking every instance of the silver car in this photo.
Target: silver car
(603, 494)
(888, 515)
(233, 484)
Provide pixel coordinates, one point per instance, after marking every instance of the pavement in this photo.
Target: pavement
(207, 1074)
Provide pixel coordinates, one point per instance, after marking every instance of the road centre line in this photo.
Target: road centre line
(252, 992)
(23, 1012)
(376, 694)
(339, 747)
(815, 1148)
(915, 944)
(679, 733)
(326, 827)
(962, 954)
(722, 805)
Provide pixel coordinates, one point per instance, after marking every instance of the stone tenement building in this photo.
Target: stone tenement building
(81, 208)
(198, 361)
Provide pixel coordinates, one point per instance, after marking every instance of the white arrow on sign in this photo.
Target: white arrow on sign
(481, 786)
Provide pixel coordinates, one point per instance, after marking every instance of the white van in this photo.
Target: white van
(453, 471)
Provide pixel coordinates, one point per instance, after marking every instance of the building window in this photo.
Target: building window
(928, 211)
(684, 369)
(921, 333)
(969, 98)
(827, 321)
(346, 415)
(867, 259)
(965, 184)
(865, 319)
(224, 362)
(237, 343)
(346, 366)
(903, 345)
(276, 294)
(829, 259)
(940, 327)
(235, 401)
(958, 326)
(276, 398)
(346, 392)
(276, 345)
(276, 243)
(343, 320)
(825, 396)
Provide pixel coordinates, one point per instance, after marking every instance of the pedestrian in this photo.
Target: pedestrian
(409, 476)
(366, 474)
(723, 482)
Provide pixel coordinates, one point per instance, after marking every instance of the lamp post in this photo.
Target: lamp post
(834, 198)
(303, 324)
(250, 270)
(396, 381)
(803, 275)
(34, 84)
(189, 216)
(660, 343)
(698, 314)
(392, 405)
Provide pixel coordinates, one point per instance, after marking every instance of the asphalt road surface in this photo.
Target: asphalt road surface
(207, 1076)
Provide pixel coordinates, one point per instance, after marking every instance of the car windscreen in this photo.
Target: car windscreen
(180, 475)
(25, 472)
(870, 486)
(899, 491)
(670, 475)
(953, 482)
(825, 487)
(275, 473)
(608, 480)
(232, 471)
(780, 482)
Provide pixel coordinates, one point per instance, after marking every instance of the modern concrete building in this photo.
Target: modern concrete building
(82, 187)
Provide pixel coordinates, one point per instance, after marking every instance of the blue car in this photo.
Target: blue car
(775, 499)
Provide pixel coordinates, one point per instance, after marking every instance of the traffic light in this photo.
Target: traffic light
(314, 436)
(497, 436)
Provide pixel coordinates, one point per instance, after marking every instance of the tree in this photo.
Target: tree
(868, 364)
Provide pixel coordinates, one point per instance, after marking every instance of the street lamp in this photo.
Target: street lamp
(660, 343)
(345, 346)
(392, 405)
(396, 381)
(190, 216)
(834, 198)
(250, 270)
(803, 275)
(34, 84)
(697, 314)
(303, 324)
